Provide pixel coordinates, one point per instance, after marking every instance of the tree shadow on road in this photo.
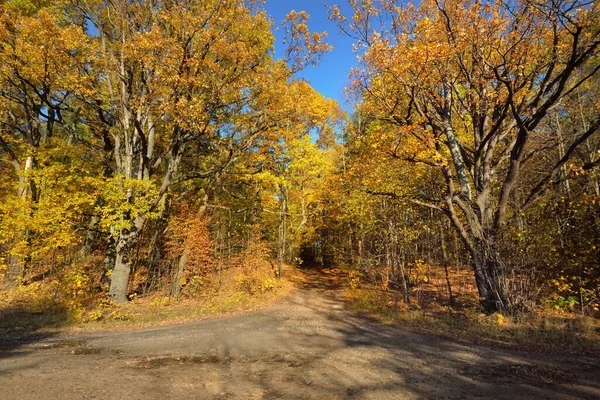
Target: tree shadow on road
(20, 328)
(308, 347)
(379, 361)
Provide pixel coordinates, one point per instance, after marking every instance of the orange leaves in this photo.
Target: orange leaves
(188, 236)
(42, 51)
(453, 63)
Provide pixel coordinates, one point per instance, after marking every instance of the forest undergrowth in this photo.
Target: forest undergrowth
(545, 328)
(237, 290)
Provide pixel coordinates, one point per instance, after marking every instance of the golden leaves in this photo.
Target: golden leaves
(124, 200)
(303, 47)
(43, 52)
(69, 190)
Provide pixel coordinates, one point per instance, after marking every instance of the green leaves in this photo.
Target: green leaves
(124, 200)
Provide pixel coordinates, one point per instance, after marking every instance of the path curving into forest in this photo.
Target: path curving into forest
(306, 347)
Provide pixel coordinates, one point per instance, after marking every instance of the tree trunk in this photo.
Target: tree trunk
(401, 263)
(486, 296)
(15, 270)
(282, 232)
(119, 279)
(482, 245)
(395, 259)
(490, 277)
(176, 290)
(446, 262)
(18, 265)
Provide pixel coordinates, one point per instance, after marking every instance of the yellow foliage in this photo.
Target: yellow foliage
(268, 284)
(355, 279)
(69, 292)
(498, 319)
(126, 199)
(37, 297)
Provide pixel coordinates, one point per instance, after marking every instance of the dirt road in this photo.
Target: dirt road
(307, 347)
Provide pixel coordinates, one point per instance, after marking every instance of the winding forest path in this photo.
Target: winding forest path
(307, 347)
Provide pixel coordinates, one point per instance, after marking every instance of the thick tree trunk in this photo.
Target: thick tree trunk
(119, 279)
(486, 296)
(490, 277)
(482, 244)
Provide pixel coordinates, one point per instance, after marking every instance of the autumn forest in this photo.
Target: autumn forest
(161, 151)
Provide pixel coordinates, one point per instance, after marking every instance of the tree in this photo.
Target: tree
(43, 59)
(464, 89)
(293, 162)
(185, 88)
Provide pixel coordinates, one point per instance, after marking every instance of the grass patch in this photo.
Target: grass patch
(537, 331)
(15, 321)
(159, 310)
(19, 318)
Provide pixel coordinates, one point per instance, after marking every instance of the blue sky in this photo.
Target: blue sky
(331, 75)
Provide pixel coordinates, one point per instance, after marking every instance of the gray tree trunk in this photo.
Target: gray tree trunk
(119, 280)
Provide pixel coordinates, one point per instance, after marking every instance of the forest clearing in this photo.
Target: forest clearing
(185, 191)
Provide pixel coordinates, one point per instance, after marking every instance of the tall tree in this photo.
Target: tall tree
(43, 61)
(463, 88)
(181, 83)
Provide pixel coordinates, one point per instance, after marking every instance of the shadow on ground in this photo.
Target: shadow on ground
(377, 361)
(20, 328)
(308, 347)
(324, 280)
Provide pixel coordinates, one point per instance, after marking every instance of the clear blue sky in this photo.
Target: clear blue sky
(331, 75)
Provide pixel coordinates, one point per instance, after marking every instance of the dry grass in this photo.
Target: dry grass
(430, 311)
(26, 312)
(159, 310)
(541, 330)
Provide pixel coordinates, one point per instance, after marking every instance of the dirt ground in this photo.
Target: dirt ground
(306, 347)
